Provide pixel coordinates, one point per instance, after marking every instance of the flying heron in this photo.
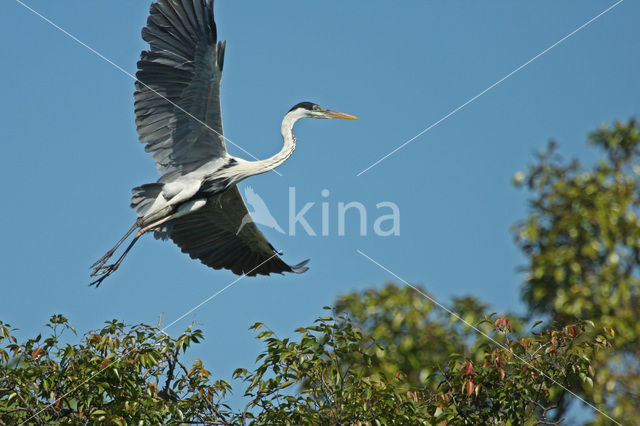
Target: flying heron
(196, 202)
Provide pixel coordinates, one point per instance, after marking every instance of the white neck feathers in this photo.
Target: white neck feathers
(251, 168)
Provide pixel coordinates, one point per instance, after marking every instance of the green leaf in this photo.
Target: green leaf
(256, 326)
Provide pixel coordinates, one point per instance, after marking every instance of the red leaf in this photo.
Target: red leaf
(470, 387)
(468, 368)
(400, 373)
(502, 322)
(104, 364)
(497, 362)
(36, 353)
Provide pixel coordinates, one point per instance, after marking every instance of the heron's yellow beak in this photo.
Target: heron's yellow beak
(336, 114)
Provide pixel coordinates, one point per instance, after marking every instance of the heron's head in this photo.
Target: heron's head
(311, 110)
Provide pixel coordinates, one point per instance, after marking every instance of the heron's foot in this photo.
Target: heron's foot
(103, 272)
(100, 262)
(98, 281)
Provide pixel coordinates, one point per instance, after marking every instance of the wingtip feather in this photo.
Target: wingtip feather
(300, 267)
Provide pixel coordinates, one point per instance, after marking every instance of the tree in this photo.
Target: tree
(117, 375)
(412, 335)
(330, 374)
(582, 239)
(501, 361)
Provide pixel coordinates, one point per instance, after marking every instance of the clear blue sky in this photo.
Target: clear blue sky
(70, 150)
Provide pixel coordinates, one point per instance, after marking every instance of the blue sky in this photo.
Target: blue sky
(71, 153)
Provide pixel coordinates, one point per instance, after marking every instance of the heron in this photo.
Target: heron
(196, 202)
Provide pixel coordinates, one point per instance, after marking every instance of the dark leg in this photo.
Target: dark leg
(106, 270)
(103, 271)
(108, 255)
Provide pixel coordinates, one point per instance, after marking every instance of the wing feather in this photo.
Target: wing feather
(209, 234)
(200, 14)
(189, 8)
(178, 87)
(171, 12)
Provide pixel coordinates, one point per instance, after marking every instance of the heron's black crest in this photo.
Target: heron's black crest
(304, 105)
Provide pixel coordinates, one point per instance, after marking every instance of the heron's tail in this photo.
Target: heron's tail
(144, 196)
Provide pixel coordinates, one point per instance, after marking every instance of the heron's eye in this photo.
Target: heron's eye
(317, 108)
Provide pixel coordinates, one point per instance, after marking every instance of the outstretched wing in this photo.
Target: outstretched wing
(177, 98)
(209, 234)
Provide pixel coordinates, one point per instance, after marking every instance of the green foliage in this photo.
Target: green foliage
(496, 373)
(118, 375)
(582, 238)
(412, 334)
(332, 392)
(125, 375)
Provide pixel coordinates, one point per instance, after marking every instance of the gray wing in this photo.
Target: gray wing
(209, 234)
(177, 98)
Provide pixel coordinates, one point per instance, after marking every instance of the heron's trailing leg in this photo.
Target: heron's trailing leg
(103, 271)
(100, 262)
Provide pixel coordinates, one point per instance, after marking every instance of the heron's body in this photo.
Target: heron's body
(212, 178)
(177, 103)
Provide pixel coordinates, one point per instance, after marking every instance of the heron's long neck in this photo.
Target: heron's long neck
(268, 164)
